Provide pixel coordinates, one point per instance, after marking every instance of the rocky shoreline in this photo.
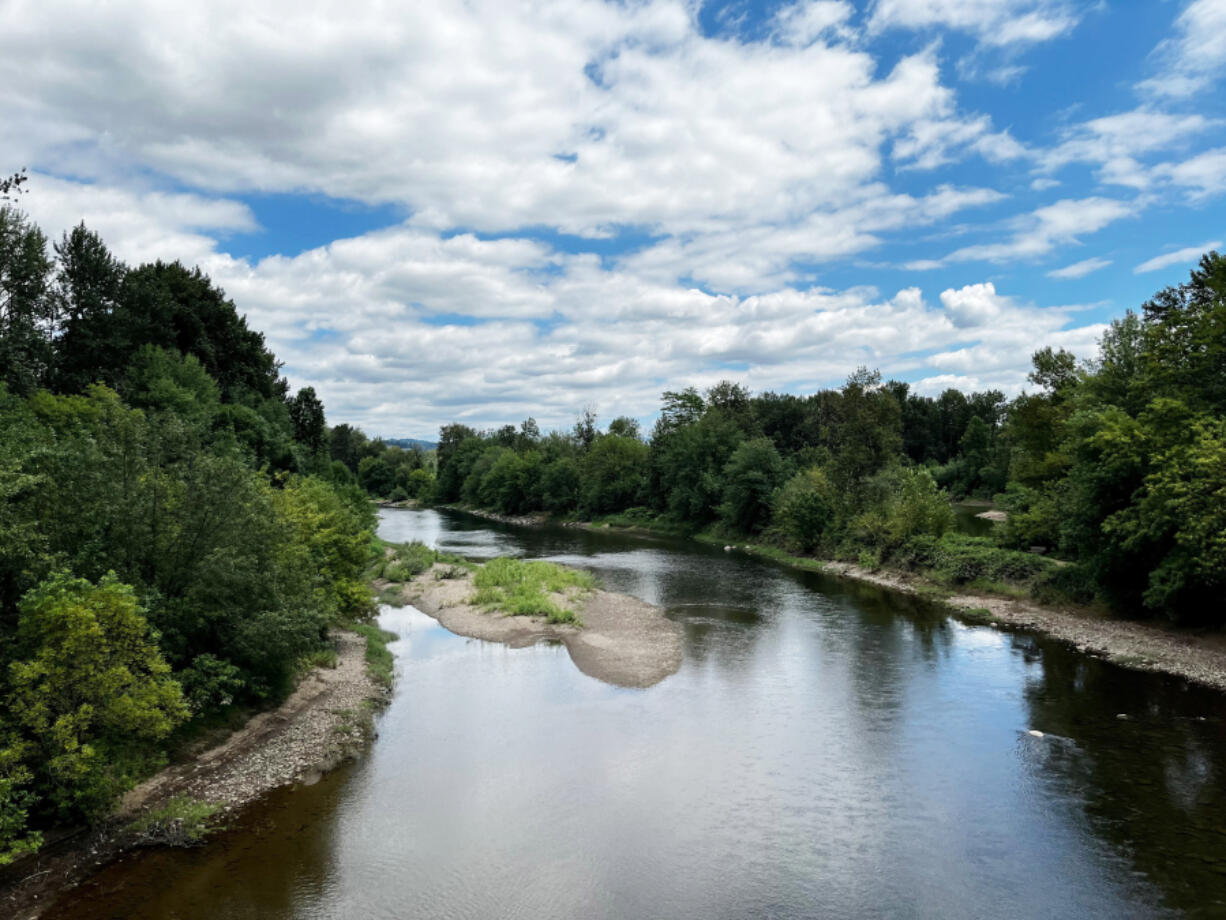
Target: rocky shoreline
(623, 640)
(325, 721)
(1141, 646)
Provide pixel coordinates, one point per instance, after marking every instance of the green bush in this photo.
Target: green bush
(959, 559)
(181, 822)
(88, 693)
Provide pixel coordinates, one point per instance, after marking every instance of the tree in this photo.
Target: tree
(624, 427)
(613, 474)
(88, 287)
(804, 508)
(307, 414)
(88, 686)
(751, 476)
(27, 312)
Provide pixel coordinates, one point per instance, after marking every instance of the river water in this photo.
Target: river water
(826, 750)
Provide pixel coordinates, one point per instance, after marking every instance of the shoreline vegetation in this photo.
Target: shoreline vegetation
(612, 637)
(181, 560)
(326, 721)
(1195, 655)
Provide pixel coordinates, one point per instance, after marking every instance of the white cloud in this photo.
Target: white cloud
(1114, 143)
(139, 225)
(1195, 55)
(1190, 254)
(992, 22)
(804, 22)
(1039, 232)
(1204, 175)
(1079, 269)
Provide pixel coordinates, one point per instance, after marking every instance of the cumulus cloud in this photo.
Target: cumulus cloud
(139, 225)
(373, 323)
(1190, 254)
(744, 169)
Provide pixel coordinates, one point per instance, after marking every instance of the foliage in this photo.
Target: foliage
(181, 822)
(86, 687)
(804, 509)
(521, 588)
(751, 476)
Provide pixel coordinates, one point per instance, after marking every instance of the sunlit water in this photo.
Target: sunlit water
(826, 750)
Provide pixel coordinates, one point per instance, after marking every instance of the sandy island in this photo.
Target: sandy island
(623, 640)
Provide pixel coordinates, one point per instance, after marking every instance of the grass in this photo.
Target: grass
(521, 588)
(380, 664)
(181, 822)
(320, 658)
(402, 562)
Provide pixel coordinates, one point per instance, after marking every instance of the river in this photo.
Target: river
(826, 750)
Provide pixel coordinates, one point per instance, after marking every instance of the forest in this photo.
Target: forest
(175, 538)
(1112, 472)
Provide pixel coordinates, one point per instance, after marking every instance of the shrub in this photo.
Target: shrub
(960, 559)
(181, 822)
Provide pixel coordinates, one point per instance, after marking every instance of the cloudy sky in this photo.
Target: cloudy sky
(489, 209)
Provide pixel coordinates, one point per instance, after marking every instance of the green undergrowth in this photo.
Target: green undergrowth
(521, 588)
(379, 660)
(643, 519)
(402, 562)
(950, 563)
(181, 822)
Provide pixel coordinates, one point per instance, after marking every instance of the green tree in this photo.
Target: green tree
(88, 692)
(805, 508)
(613, 474)
(751, 476)
(27, 311)
(307, 414)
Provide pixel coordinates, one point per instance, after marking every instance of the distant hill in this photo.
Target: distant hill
(412, 442)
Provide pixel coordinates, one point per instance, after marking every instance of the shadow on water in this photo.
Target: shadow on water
(827, 749)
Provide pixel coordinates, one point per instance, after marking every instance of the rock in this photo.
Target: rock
(727, 549)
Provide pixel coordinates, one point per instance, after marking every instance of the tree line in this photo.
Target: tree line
(1116, 466)
(175, 536)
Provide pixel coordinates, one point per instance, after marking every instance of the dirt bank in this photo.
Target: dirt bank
(1198, 658)
(623, 641)
(323, 722)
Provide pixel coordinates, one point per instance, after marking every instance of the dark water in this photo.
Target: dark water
(825, 751)
(967, 520)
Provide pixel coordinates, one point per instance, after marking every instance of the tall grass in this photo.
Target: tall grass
(521, 588)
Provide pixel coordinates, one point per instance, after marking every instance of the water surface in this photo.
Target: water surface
(826, 750)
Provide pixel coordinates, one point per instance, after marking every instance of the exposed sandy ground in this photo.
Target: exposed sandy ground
(623, 640)
(1198, 658)
(321, 724)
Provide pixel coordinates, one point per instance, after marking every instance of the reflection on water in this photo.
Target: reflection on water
(825, 750)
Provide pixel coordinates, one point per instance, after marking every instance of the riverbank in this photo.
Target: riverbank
(1195, 656)
(326, 720)
(622, 640)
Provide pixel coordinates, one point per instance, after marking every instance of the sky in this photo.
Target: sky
(486, 210)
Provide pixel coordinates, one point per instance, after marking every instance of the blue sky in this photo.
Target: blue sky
(486, 210)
